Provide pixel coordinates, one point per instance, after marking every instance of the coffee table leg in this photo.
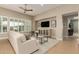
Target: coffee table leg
(41, 41)
(47, 39)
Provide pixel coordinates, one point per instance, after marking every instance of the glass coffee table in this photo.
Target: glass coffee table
(41, 39)
(46, 36)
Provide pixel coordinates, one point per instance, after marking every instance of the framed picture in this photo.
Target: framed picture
(53, 23)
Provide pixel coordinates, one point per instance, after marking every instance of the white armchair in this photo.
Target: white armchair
(21, 45)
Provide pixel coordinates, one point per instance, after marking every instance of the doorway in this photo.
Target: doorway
(70, 25)
(75, 26)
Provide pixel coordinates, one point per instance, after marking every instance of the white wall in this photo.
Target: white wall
(58, 12)
(78, 22)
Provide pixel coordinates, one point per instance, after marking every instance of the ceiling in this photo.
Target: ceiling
(37, 8)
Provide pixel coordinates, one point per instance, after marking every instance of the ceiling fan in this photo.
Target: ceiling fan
(25, 8)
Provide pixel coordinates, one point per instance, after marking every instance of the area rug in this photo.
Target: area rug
(46, 46)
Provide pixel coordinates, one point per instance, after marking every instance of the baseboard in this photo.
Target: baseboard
(2, 38)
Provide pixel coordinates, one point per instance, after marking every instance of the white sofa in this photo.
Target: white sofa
(21, 45)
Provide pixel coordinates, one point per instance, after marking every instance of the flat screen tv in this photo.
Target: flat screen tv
(45, 24)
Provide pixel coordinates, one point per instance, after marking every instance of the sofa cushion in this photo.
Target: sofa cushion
(27, 37)
(22, 38)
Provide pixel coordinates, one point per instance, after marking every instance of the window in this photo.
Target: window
(0, 24)
(12, 24)
(16, 25)
(4, 24)
(20, 25)
(28, 25)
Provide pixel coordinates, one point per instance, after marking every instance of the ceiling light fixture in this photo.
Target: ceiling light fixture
(25, 8)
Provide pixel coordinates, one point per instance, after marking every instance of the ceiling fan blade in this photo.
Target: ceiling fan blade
(21, 8)
(29, 10)
(24, 11)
